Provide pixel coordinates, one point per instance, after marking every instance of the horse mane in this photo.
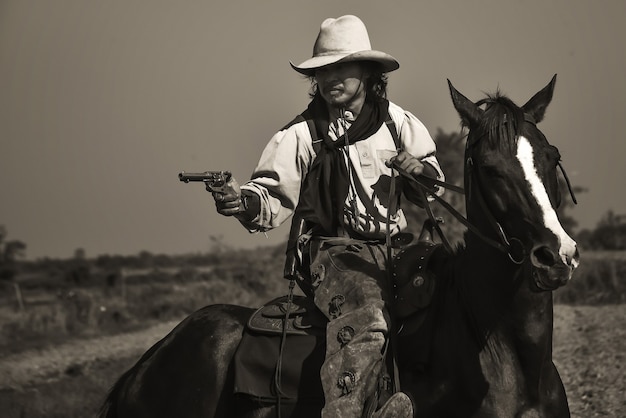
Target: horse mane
(501, 122)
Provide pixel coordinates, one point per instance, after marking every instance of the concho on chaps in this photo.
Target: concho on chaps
(414, 282)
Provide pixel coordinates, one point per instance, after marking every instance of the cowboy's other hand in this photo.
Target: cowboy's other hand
(406, 164)
(228, 198)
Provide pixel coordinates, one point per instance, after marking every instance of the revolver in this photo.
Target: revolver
(214, 181)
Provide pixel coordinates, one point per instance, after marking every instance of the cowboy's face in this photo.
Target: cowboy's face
(343, 84)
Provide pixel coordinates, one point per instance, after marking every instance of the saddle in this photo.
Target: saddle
(303, 319)
(414, 281)
(261, 373)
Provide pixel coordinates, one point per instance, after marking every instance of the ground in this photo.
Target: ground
(589, 352)
(71, 380)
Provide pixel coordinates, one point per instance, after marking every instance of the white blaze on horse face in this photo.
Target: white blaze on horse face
(526, 158)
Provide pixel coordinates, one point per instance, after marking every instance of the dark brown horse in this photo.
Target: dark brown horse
(485, 348)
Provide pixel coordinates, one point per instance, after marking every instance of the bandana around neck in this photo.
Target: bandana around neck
(326, 185)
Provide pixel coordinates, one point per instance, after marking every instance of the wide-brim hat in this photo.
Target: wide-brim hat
(342, 40)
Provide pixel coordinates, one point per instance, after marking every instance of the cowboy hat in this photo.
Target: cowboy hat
(342, 40)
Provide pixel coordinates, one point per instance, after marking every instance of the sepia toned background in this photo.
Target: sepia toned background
(103, 103)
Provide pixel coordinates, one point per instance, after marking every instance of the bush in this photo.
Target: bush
(600, 279)
(112, 303)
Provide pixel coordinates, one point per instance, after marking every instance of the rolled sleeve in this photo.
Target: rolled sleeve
(278, 177)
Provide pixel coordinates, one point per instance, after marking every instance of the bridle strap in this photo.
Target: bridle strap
(420, 181)
(505, 243)
(434, 222)
(530, 119)
(445, 185)
(569, 185)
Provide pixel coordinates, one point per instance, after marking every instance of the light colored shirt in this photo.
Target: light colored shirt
(284, 163)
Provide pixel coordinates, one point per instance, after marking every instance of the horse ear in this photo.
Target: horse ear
(537, 105)
(469, 112)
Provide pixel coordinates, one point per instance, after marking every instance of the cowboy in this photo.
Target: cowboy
(335, 168)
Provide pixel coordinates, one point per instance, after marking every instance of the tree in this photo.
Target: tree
(146, 259)
(10, 252)
(80, 254)
(78, 269)
(609, 234)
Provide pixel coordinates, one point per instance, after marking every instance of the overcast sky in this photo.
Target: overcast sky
(103, 103)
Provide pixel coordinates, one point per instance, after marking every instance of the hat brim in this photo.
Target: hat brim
(309, 66)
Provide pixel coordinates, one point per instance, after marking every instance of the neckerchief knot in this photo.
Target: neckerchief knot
(326, 185)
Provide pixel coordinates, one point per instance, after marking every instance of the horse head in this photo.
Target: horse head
(511, 183)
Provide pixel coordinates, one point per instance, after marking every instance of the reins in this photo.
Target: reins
(511, 246)
(505, 244)
(517, 253)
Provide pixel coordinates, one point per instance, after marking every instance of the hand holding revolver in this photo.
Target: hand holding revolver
(226, 192)
(228, 199)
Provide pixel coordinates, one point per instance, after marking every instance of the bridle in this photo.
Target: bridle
(511, 246)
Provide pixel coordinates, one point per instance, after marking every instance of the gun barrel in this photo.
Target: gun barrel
(206, 176)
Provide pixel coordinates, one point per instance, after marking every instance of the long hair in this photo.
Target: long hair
(375, 84)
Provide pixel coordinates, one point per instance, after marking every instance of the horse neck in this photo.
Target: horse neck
(494, 289)
(496, 262)
(488, 271)
(500, 307)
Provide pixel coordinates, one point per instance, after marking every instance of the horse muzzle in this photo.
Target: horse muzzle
(552, 269)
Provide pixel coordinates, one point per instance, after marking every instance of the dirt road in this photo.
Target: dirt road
(34, 366)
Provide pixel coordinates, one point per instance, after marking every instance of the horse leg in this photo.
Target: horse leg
(534, 333)
(554, 399)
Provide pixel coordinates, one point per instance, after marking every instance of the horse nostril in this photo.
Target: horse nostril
(543, 257)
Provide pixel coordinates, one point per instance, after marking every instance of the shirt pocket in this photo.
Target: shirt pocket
(367, 160)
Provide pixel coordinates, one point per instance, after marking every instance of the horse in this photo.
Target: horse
(484, 347)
